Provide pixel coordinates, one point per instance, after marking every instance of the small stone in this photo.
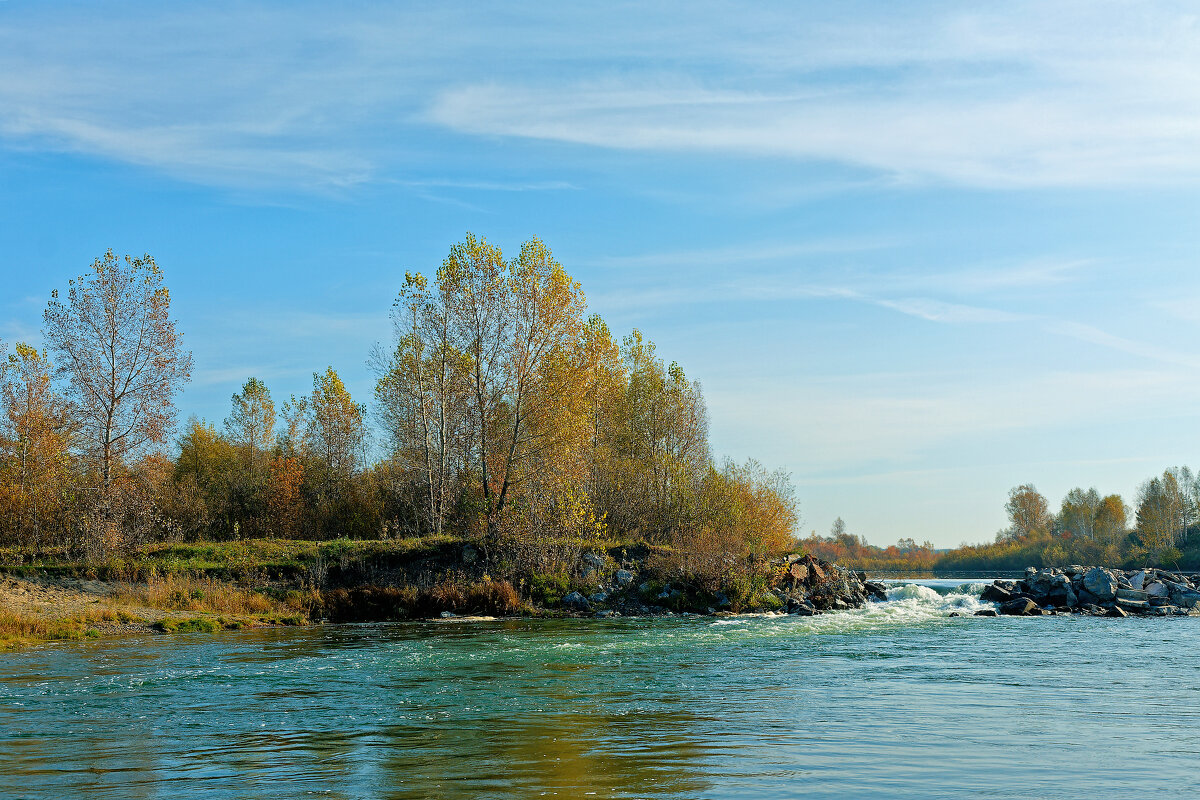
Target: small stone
(448, 615)
(986, 612)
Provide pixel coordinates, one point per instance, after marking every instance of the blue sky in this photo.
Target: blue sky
(916, 253)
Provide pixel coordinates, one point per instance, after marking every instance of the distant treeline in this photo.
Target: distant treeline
(506, 414)
(1088, 529)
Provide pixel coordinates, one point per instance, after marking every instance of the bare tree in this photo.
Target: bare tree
(118, 348)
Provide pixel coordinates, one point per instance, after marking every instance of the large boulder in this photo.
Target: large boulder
(1140, 606)
(1100, 583)
(576, 602)
(995, 594)
(1020, 607)
(624, 578)
(1184, 597)
(1132, 594)
(1137, 580)
(1157, 589)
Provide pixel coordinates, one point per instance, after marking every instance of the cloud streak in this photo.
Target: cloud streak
(303, 96)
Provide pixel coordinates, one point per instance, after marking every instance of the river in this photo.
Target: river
(899, 700)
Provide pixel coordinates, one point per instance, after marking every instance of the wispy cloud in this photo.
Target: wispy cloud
(307, 96)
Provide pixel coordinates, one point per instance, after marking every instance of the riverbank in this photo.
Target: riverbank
(281, 582)
(54, 608)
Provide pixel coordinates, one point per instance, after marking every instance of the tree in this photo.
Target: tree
(251, 423)
(1162, 513)
(1110, 525)
(335, 433)
(423, 397)
(35, 432)
(471, 281)
(1077, 515)
(1028, 512)
(118, 347)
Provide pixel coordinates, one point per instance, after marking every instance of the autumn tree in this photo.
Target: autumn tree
(661, 444)
(1110, 526)
(1162, 513)
(118, 348)
(472, 283)
(423, 397)
(335, 431)
(35, 435)
(1028, 511)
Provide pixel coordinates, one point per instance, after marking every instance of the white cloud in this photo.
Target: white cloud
(1010, 95)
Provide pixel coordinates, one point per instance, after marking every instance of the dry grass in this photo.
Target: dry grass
(180, 593)
(17, 628)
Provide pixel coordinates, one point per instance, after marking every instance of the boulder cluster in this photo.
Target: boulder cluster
(1097, 591)
(810, 586)
(799, 584)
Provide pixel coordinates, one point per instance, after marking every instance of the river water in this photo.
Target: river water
(896, 701)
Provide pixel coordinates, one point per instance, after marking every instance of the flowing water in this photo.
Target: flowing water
(899, 700)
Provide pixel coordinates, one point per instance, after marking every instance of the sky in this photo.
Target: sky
(916, 253)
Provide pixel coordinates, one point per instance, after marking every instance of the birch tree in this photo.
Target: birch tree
(118, 348)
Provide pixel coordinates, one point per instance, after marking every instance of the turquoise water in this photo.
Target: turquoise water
(896, 701)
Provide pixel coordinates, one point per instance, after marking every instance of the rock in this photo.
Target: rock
(448, 615)
(1086, 598)
(1188, 598)
(1131, 594)
(995, 594)
(593, 560)
(798, 573)
(722, 600)
(576, 602)
(624, 578)
(606, 613)
(986, 612)
(598, 597)
(1138, 580)
(1167, 611)
(1100, 583)
(1116, 611)
(875, 591)
(1133, 605)
(1157, 589)
(1020, 607)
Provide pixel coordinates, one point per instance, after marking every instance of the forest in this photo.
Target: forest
(1163, 529)
(503, 415)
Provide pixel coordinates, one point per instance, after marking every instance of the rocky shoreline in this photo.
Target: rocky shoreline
(798, 584)
(1095, 591)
